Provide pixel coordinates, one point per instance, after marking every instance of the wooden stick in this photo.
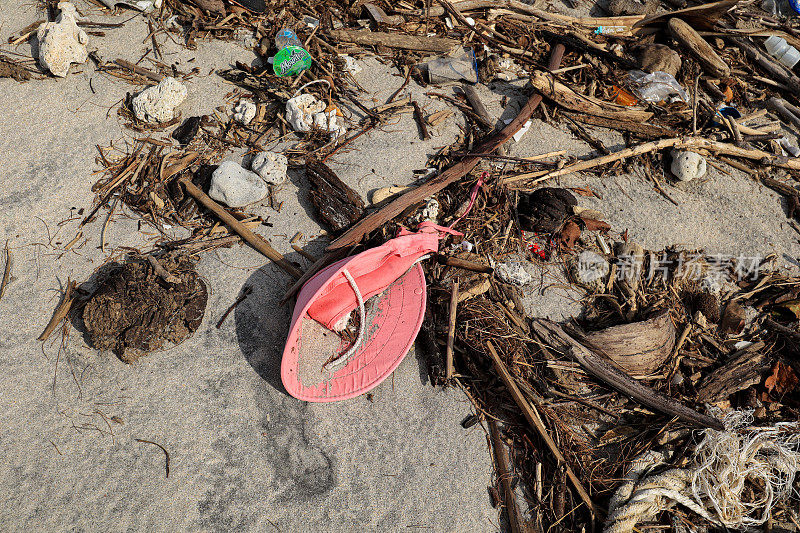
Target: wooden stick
(485, 120)
(61, 311)
(395, 40)
(699, 48)
(504, 475)
(779, 106)
(532, 415)
(451, 332)
(423, 128)
(254, 240)
(463, 263)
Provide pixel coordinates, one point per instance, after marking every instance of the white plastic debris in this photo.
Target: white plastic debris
(62, 42)
(235, 186)
(244, 112)
(306, 111)
(467, 246)
(428, 213)
(512, 272)
(158, 103)
(271, 166)
(431, 210)
(522, 131)
(687, 166)
(656, 86)
(350, 64)
(142, 5)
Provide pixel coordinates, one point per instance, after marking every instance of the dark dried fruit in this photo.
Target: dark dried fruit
(545, 210)
(186, 131)
(707, 304)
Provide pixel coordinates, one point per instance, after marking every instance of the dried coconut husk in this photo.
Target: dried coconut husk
(639, 348)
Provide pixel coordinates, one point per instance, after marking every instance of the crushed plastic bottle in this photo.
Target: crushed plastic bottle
(291, 58)
(656, 87)
(782, 51)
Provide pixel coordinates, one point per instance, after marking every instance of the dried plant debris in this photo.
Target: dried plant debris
(10, 68)
(136, 309)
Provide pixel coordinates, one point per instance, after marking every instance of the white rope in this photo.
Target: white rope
(723, 466)
(362, 325)
(362, 319)
(326, 82)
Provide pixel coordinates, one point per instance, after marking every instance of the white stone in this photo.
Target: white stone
(62, 42)
(301, 109)
(306, 111)
(687, 166)
(271, 166)
(244, 112)
(235, 186)
(513, 273)
(158, 103)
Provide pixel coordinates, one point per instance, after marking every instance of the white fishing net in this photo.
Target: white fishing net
(734, 477)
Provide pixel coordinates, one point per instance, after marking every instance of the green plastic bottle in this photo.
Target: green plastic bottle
(291, 58)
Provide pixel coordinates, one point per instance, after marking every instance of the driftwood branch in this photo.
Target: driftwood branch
(256, 241)
(439, 45)
(686, 143)
(532, 415)
(612, 376)
(699, 48)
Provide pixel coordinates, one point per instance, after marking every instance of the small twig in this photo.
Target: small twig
(6, 271)
(161, 271)
(166, 453)
(451, 332)
(423, 128)
(61, 311)
(245, 293)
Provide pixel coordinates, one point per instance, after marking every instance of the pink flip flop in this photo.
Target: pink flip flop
(385, 288)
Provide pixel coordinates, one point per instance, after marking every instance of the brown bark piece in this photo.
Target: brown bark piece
(741, 372)
(699, 48)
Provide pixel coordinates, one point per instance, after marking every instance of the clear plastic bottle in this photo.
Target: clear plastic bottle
(291, 58)
(286, 37)
(782, 51)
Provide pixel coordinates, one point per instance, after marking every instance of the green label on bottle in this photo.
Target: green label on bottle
(291, 60)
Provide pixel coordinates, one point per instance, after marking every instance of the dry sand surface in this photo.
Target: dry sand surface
(244, 455)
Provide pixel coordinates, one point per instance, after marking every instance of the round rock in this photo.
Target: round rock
(235, 186)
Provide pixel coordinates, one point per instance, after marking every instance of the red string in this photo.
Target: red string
(484, 175)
